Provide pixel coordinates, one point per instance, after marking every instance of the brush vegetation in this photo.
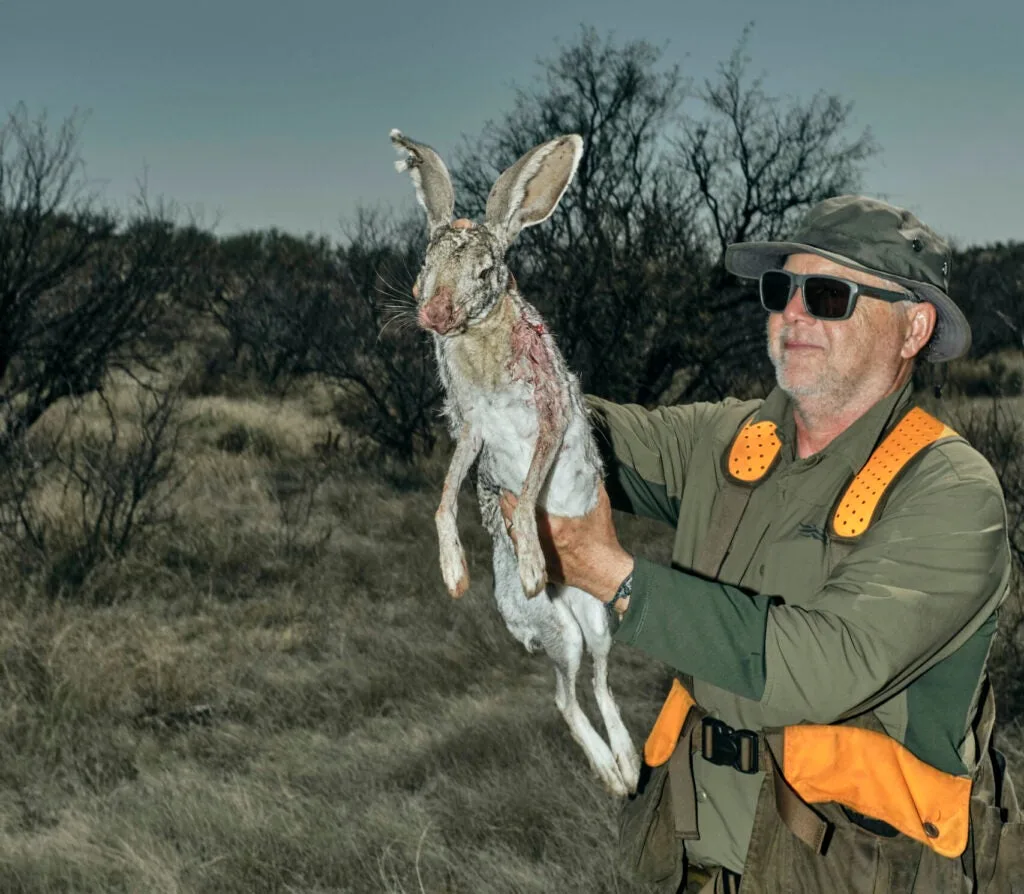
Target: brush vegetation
(271, 691)
(258, 699)
(227, 659)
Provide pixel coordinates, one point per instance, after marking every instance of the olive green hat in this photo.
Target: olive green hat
(877, 238)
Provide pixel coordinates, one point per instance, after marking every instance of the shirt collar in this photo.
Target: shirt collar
(857, 442)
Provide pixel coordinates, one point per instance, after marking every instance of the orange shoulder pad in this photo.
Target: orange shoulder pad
(860, 502)
(753, 452)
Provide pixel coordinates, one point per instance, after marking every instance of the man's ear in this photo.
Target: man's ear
(920, 329)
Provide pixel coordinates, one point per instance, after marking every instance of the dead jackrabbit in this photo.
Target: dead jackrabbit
(512, 403)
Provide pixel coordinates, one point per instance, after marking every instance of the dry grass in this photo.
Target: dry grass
(275, 701)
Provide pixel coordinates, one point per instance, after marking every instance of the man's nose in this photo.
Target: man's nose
(795, 309)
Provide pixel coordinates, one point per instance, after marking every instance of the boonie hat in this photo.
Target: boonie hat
(877, 238)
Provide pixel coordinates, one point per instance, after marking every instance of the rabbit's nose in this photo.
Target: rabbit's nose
(438, 312)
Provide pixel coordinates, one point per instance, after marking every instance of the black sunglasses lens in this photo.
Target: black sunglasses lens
(827, 298)
(775, 290)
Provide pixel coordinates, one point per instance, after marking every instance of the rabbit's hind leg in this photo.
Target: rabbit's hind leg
(592, 618)
(563, 641)
(548, 623)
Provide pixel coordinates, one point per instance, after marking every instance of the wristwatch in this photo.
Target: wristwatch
(624, 591)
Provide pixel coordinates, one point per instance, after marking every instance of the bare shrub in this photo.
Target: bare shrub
(632, 268)
(274, 293)
(372, 346)
(294, 491)
(997, 432)
(612, 270)
(295, 307)
(81, 291)
(83, 494)
(990, 376)
(988, 283)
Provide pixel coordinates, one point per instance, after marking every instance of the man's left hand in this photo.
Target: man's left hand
(583, 551)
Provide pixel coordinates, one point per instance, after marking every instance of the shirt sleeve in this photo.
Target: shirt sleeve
(646, 452)
(935, 562)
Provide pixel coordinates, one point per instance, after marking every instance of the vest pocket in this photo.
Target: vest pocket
(998, 852)
(648, 847)
(1009, 873)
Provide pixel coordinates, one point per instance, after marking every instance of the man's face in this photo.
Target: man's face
(835, 361)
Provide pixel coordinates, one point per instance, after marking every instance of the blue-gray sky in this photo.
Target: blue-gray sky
(276, 114)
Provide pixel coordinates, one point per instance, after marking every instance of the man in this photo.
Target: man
(867, 647)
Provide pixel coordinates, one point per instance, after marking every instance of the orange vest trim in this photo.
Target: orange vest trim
(753, 453)
(859, 504)
(877, 776)
(756, 448)
(668, 727)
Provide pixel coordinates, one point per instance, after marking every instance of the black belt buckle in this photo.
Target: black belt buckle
(728, 747)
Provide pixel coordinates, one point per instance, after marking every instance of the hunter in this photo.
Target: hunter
(838, 562)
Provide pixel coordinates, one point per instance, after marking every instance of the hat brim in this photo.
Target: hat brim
(952, 336)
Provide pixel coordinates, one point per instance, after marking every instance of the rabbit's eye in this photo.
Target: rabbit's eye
(485, 273)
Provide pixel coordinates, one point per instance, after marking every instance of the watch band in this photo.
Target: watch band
(624, 591)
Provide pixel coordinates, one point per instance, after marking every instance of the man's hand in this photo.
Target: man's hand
(582, 552)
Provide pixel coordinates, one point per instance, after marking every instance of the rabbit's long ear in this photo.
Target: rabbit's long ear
(526, 193)
(430, 177)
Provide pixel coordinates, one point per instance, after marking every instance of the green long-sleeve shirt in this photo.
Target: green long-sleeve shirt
(846, 623)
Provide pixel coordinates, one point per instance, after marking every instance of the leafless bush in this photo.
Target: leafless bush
(612, 269)
(993, 428)
(294, 491)
(297, 307)
(83, 494)
(631, 266)
(276, 291)
(374, 346)
(81, 292)
(988, 283)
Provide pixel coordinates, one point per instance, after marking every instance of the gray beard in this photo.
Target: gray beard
(825, 397)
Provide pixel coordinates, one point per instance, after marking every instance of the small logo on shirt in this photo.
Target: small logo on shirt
(805, 530)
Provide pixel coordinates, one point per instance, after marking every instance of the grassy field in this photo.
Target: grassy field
(274, 693)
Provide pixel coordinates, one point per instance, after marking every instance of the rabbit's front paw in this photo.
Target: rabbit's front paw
(455, 571)
(453, 557)
(532, 569)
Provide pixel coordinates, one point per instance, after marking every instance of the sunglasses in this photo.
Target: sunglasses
(825, 297)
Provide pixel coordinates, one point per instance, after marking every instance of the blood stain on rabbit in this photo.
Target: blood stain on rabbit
(532, 363)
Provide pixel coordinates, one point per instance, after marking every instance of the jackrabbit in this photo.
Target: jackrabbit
(511, 401)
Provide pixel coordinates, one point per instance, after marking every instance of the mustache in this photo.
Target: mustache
(788, 333)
